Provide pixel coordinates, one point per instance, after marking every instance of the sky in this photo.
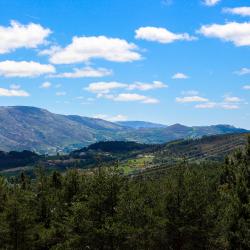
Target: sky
(165, 61)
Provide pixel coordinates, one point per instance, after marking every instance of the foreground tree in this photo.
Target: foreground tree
(235, 200)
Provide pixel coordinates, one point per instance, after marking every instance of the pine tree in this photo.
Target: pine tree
(235, 199)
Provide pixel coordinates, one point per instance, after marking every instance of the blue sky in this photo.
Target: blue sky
(169, 61)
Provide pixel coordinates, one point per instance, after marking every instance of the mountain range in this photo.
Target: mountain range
(36, 129)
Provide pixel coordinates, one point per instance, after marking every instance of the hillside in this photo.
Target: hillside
(179, 131)
(35, 129)
(133, 157)
(214, 148)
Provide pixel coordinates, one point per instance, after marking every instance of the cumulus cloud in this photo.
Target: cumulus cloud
(230, 106)
(83, 49)
(13, 92)
(211, 105)
(242, 11)
(180, 76)
(243, 71)
(50, 51)
(114, 118)
(21, 36)
(45, 85)
(132, 97)
(147, 86)
(228, 103)
(24, 69)
(237, 33)
(208, 105)
(161, 35)
(84, 72)
(188, 99)
(232, 99)
(211, 2)
(246, 87)
(106, 87)
(108, 90)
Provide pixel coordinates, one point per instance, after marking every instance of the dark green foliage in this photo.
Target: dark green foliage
(17, 159)
(118, 146)
(191, 206)
(235, 192)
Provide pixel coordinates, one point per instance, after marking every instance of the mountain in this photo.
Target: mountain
(140, 124)
(35, 129)
(178, 131)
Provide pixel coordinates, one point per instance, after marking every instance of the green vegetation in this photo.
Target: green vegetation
(191, 206)
(132, 157)
(14, 159)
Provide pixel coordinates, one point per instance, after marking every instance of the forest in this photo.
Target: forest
(191, 206)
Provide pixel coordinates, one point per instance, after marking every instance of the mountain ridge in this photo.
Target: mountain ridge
(36, 129)
(140, 124)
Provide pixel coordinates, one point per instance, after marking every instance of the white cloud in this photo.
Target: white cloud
(115, 118)
(149, 100)
(208, 105)
(104, 87)
(242, 11)
(15, 86)
(13, 92)
(180, 76)
(230, 106)
(229, 103)
(243, 71)
(211, 105)
(83, 49)
(211, 2)
(161, 35)
(24, 69)
(187, 99)
(132, 97)
(21, 36)
(147, 86)
(229, 99)
(246, 87)
(62, 93)
(50, 51)
(237, 33)
(45, 85)
(84, 72)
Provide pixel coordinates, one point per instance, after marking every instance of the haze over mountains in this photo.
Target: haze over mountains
(141, 124)
(30, 128)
